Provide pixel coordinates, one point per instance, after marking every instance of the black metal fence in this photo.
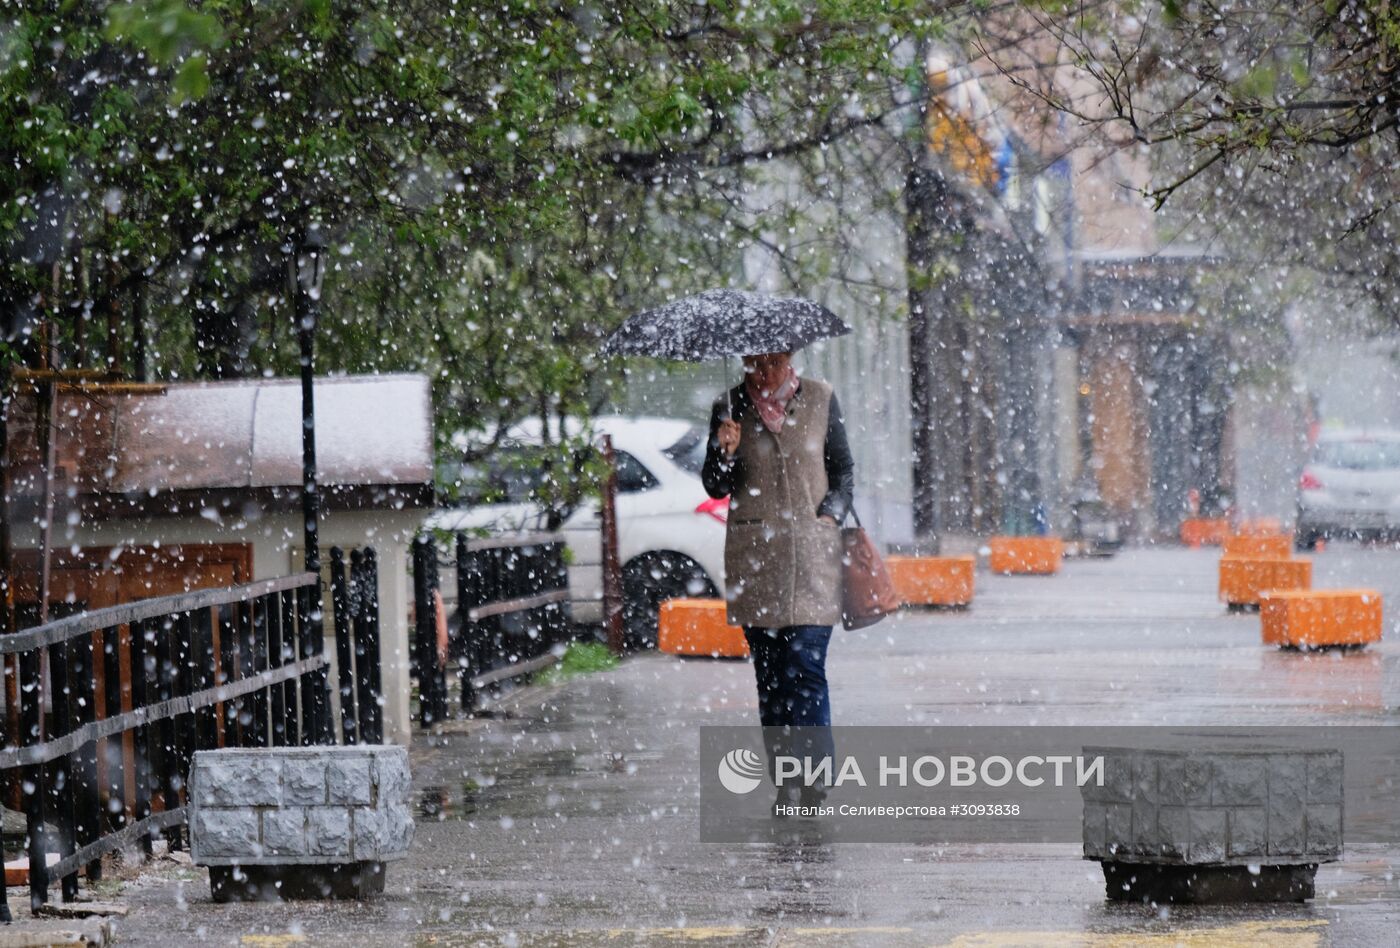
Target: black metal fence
(512, 616)
(355, 612)
(109, 707)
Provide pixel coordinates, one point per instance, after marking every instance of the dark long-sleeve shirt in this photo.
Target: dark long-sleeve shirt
(721, 473)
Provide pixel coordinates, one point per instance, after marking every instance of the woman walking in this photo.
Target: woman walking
(778, 449)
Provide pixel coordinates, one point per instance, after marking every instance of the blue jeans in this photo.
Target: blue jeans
(794, 705)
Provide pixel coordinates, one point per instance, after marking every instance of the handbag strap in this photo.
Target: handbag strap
(851, 512)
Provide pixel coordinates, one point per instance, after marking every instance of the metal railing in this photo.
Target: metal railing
(109, 707)
(355, 612)
(512, 615)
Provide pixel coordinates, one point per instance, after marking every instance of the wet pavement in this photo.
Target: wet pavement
(571, 817)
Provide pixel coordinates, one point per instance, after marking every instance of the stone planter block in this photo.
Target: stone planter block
(1320, 618)
(1228, 825)
(1243, 579)
(1032, 556)
(933, 580)
(299, 822)
(699, 627)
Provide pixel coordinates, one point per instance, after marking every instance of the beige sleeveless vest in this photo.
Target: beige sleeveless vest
(782, 565)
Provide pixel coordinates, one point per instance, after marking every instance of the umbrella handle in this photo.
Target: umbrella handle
(728, 392)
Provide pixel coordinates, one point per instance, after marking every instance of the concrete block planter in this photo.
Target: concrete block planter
(1227, 826)
(1243, 579)
(699, 627)
(299, 822)
(946, 581)
(1027, 556)
(1272, 547)
(1320, 618)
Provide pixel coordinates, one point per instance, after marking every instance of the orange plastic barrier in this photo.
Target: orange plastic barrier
(1204, 531)
(1320, 617)
(699, 627)
(933, 580)
(1244, 578)
(1261, 527)
(1039, 556)
(1272, 547)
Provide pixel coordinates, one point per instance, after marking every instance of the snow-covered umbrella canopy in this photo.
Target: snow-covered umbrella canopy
(720, 323)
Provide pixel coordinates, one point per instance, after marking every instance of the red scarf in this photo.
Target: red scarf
(772, 406)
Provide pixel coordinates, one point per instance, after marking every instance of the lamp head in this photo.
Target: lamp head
(311, 261)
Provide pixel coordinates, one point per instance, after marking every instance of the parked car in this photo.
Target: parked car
(1350, 487)
(670, 533)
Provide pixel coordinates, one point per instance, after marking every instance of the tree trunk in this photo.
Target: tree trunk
(918, 253)
(937, 226)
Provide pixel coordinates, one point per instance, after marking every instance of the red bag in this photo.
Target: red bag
(867, 591)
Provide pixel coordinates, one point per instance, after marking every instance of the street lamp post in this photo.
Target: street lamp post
(309, 270)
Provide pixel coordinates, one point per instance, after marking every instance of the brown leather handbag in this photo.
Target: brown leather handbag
(867, 591)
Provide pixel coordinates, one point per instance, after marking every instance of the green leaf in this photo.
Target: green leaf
(165, 29)
(192, 78)
(1260, 82)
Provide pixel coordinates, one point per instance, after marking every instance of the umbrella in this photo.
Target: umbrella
(720, 323)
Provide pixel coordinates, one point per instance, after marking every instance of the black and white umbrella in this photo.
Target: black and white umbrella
(720, 323)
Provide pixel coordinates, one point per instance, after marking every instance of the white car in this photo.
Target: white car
(1350, 487)
(670, 533)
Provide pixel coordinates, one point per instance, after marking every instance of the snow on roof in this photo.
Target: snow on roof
(370, 430)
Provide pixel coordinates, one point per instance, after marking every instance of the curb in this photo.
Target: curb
(42, 933)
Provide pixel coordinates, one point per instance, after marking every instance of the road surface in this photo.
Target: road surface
(570, 817)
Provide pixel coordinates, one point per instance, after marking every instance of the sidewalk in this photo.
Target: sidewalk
(570, 817)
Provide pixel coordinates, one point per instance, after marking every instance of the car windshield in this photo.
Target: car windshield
(1360, 455)
(688, 453)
